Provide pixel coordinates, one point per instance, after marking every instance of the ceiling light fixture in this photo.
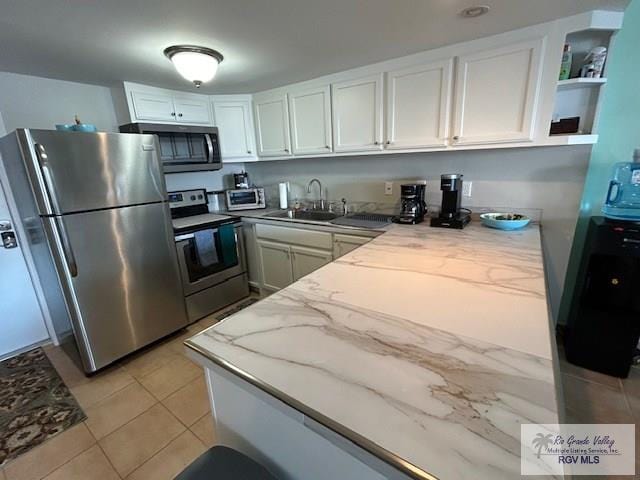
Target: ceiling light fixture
(197, 64)
(475, 11)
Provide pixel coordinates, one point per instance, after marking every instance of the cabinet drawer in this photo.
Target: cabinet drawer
(297, 236)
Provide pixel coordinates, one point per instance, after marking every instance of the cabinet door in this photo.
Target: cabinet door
(343, 244)
(418, 106)
(306, 260)
(272, 125)
(233, 120)
(497, 94)
(153, 106)
(275, 263)
(193, 110)
(357, 114)
(310, 114)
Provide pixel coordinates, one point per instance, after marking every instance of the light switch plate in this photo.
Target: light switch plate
(388, 188)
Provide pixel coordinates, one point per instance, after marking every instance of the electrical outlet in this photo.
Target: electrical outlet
(388, 188)
(466, 189)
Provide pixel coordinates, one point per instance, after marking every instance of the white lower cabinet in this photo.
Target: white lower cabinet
(343, 244)
(275, 263)
(286, 254)
(306, 260)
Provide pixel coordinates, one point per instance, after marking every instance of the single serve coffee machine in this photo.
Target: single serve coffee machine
(413, 207)
(451, 214)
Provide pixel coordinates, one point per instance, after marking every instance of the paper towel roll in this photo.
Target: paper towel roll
(283, 189)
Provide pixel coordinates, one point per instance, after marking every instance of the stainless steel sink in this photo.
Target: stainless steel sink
(314, 215)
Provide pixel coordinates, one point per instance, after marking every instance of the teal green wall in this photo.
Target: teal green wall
(619, 133)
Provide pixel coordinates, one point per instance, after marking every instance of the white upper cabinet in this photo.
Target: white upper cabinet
(496, 94)
(357, 114)
(310, 115)
(272, 126)
(151, 106)
(418, 105)
(193, 109)
(233, 119)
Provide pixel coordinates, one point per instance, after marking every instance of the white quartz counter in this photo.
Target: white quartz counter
(432, 345)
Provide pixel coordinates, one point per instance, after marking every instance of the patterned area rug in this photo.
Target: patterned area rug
(240, 306)
(35, 404)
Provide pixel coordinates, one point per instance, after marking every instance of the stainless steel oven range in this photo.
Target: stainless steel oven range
(211, 254)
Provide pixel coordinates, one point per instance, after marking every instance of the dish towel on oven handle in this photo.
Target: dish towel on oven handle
(227, 236)
(206, 248)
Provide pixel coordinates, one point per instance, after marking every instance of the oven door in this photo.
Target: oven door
(188, 152)
(210, 256)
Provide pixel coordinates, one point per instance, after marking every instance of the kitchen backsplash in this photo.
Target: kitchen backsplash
(546, 182)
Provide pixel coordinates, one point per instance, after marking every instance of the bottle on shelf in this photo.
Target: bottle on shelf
(565, 66)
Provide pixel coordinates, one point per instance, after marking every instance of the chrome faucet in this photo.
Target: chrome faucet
(322, 205)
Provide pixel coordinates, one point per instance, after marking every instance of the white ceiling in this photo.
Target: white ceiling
(266, 43)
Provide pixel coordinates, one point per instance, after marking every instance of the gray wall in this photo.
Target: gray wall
(546, 178)
(35, 102)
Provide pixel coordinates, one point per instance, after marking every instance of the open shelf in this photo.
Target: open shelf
(575, 139)
(581, 82)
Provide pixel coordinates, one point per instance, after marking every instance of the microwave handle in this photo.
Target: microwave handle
(210, 152)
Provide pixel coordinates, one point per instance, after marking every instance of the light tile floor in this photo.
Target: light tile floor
(149, 416)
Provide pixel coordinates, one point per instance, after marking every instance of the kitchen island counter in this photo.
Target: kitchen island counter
(426, 347)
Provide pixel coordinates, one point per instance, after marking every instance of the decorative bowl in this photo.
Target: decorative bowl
(504, 221)
(65, 127)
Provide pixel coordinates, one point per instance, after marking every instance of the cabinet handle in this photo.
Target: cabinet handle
(388, 142)
(179, 114)
(327, 147)
(286, 150)
(456, 138)
(376, 143)
(249, 152)
(173, 114)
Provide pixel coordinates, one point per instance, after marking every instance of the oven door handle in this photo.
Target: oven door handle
(186, 236)
(210, 156)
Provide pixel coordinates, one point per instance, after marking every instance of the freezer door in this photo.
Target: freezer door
(121, 277)
(75, 172)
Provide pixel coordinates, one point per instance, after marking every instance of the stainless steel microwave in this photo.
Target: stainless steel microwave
(245, 199)
(183, 148)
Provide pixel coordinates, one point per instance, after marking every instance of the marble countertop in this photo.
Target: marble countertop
(433, 345)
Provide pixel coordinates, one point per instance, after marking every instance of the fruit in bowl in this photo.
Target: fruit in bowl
(504, 221)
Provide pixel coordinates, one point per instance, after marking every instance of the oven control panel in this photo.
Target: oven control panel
(187, 198)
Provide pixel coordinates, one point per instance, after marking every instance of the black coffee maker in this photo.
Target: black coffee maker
(451, 214)
(413, 207)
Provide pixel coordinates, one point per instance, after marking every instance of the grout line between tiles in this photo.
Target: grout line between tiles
(109, 460)
(165, 446)
(108, 396)
(95, 442)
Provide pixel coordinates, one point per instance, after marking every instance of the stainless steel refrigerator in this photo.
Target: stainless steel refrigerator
(94, 206)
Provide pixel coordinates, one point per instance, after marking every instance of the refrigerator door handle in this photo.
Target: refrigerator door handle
(51, 196)
(67, 249)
